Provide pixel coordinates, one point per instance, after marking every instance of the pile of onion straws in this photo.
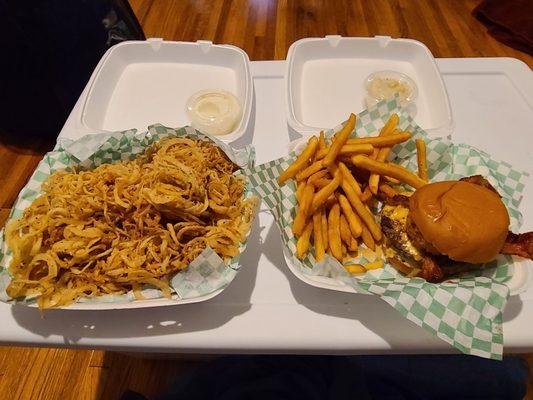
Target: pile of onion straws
(122, 226)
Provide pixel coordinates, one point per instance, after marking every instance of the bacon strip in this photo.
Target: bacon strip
(480, 181)
(397, 200)
(519, 245)
(431, 271)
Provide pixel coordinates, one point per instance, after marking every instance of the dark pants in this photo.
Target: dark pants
(356, 377)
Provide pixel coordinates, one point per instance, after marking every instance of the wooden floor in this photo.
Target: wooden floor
(264, 29)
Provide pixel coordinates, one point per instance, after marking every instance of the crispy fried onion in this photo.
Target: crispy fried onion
(125, 225)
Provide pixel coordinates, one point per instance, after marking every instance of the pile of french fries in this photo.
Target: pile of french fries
(338, 181)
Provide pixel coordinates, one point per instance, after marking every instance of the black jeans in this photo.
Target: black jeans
(351, 377)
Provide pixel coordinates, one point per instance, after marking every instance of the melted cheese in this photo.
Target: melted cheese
(399, 214)
(389, 253)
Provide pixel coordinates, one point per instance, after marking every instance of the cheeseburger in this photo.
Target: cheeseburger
(447, 227)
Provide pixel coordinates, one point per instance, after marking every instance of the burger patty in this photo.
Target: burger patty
(417, 239)
(394, 220)
(393, 225)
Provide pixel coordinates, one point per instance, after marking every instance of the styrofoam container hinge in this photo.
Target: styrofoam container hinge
(155, 43)
(333, 40)
(383, 40)
(205, 45)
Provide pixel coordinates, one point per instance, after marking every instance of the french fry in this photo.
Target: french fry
(347, 176)
(310, 170)
(324, 219)
(321, 153)
(303, 241)
(301, 161)
(321, 145)
(344, 251)
(383, 154)
(307, 198)
(354, 223)
(346, 235)
(317, 175)
(330, 201)
(321, 196)
(351, 149)
(355, 269)
(381, 141)
(322, 141)
(332, 169)
(362, 211)
(400, 266)
(389, 125)
(368, 240)
(334, 232)
(367, 195)
(421, 159)
(318, 240)
(394, 170)
(348, 150)
(374, 265)
(302, 212)
(391, 180)
(340, 139)
(346, 159)
(353, 244)
(300, 191)
(320, 183)
(387, 190)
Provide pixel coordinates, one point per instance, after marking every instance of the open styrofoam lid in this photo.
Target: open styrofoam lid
(326, 80)
(140, 83)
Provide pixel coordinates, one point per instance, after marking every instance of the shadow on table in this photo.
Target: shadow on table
(513, 308)
(74, 325)
(370, 311)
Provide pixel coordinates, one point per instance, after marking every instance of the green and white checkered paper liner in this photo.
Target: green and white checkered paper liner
(466, 312)
(206, 274)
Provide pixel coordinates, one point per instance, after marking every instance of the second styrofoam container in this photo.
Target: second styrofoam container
(326, 79)
(138, 83)
(522, 274)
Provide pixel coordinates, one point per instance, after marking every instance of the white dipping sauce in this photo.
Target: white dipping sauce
(386, 84)
(215, 112)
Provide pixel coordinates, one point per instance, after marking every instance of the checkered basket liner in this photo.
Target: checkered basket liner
(204, 275)
(466, 312)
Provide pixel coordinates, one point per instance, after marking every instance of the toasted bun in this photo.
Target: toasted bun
(464, 221)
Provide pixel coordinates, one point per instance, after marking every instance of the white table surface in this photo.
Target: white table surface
(268, 310)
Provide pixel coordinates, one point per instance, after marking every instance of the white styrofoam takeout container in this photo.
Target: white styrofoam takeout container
(326, 77)
(520, 281)
(138, 83)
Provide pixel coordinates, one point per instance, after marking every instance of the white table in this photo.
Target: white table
(268, 310)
